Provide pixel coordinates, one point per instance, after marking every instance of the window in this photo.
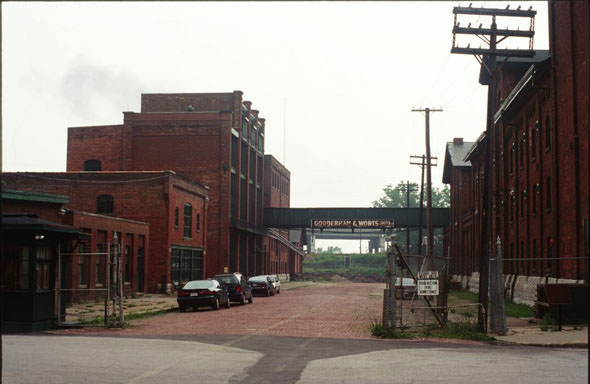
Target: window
(534, 142)
(198, 222)
(534, 255)
(548, 194)
(549, 255)
(101, 247)
(511, 155)
(186, 265)
(82, 265)
(534, 191)
(128, 258)
(188, 220)
(92, 165)
(547, 133)
(105, 204)
(15, 268)
(42, 267)
(99, 264)
(175, 217)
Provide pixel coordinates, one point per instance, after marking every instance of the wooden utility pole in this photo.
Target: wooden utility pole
(414, 160)
(488, 58)
(429, 233)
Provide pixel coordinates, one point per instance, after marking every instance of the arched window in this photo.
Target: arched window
(92, 165)
(198, 222)
(105, 205)
(188, 219)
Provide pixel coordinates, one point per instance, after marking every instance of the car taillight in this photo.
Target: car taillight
(205, 293)
(239, 288)
(183, 293)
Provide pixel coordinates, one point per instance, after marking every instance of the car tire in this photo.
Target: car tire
(227, 303)
(279, 291)
(215, 305)
(267, 293)
(250, 300)
(242, 300)
(182, 308)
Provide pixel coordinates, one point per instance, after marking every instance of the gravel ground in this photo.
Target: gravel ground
(333, 310)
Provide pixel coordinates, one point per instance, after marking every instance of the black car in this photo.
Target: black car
(202, 293)
(262, 284)
(237, 287)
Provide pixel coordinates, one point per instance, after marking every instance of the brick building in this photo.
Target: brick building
(215, 138)
(283, 257)
(540, 163)
(175, 208)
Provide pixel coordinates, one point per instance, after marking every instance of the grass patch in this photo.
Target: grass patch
(510, 308)
(99, 320)
(378, 330)
(518, 310)
(361, 264)
(452, 330)
(463, 331)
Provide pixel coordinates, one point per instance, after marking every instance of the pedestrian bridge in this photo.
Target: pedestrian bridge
(374, 218)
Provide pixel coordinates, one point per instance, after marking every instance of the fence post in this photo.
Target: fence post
(389, 292)
(496, 305)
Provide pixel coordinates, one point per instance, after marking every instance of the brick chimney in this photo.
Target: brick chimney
(248, 104)
(458, 140)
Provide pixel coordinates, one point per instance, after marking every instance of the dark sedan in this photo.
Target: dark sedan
(262, 284)
(202, 293)
(236, 285)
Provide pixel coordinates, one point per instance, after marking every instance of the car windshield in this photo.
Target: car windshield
(258, 279)
(198, 284)
(226, 279)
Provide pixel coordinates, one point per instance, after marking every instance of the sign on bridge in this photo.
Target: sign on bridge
(343, 224)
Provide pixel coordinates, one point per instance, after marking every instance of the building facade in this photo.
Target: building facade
(215, 138)
(540, 161)
(175, 208)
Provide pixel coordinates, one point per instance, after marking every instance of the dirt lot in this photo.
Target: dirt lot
(339, 310)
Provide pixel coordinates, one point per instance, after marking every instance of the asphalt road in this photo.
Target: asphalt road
(274, 359)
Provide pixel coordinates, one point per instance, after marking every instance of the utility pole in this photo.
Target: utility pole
(422, 164)
(408, 191)
(429, 233)
(487, 57)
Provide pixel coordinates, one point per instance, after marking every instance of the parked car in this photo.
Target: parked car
(276, 282)
(202, 293)
(262, 284)
(236, 285)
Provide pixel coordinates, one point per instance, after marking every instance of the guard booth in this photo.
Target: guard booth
(28, 268)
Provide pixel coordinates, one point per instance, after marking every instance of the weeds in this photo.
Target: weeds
(548, 323)
(452, 330)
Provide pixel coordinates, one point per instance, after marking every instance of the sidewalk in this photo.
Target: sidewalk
(569, 336)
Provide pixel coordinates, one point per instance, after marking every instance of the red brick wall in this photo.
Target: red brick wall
(100, 142)
(141, 196)
(569, 41)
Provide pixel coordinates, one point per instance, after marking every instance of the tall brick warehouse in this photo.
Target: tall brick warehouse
(540, 161)
(214, 138)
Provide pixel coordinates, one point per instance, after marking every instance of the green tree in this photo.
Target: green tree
(395, 197)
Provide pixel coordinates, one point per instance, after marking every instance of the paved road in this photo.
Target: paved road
(270, 359)
(340, 310)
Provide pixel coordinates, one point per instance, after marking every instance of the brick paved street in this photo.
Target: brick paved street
(335, 310)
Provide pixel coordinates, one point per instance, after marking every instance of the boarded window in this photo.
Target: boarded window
(105, 204)
(92, 165)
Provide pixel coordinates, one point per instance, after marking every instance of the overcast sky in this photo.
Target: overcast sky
(341, 78)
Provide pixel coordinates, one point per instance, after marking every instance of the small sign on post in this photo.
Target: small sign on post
(428, 283)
